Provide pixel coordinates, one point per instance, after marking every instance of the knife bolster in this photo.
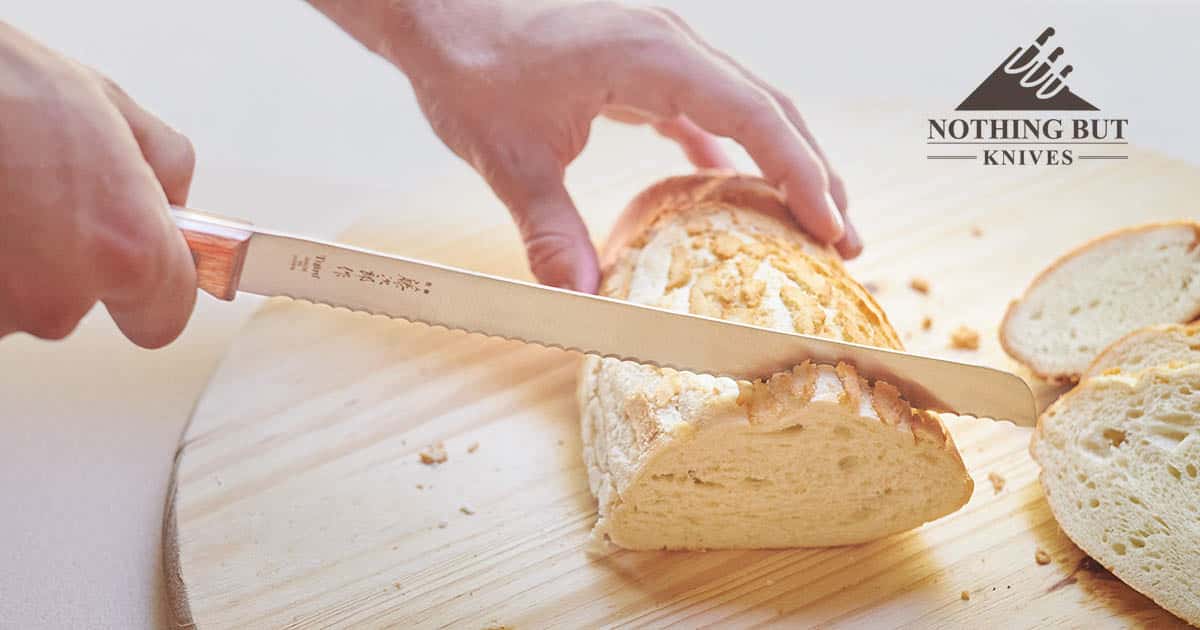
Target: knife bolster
(219, 250)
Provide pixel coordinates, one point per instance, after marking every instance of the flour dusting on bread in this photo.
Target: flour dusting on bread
(811, 457)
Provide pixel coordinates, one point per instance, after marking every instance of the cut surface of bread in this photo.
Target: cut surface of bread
(1169, 345)
(812, 457)
(1102, 290)
(1120, 458)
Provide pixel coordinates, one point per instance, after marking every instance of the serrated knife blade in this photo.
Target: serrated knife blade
(236, 256)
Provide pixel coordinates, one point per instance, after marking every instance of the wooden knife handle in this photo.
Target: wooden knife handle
(218, 246)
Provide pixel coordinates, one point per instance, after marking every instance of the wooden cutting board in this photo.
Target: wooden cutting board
(300, 500)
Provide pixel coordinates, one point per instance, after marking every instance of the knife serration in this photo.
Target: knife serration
(341, 276)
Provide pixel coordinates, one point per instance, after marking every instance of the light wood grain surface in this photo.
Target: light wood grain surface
(300, 499)
(273, 94)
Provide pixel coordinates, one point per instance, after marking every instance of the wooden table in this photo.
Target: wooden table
(300, 500)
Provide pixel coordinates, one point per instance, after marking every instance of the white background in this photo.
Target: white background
(270, 92)
(271, 86)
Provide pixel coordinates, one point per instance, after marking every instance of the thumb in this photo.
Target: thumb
(556, 240)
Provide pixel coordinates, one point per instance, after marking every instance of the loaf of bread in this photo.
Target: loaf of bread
(1120, 459)
(1102, 290)
(1169, 345)
(816, 456)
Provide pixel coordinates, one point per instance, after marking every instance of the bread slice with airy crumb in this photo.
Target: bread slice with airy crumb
(1106, 288)
(1170, 345)
(816, 456)
(1120, 458)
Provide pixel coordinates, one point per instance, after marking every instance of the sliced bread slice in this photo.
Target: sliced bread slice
(1120, 458)
(816, 456)
(1170, 345)
(1098, 292)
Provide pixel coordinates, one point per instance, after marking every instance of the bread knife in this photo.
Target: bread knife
(233, 255)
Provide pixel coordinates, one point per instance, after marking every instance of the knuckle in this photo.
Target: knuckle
(816, 174)
(754, 115)
(169, 153)
(551, 257)
(789, 108)
(837, 188)
(655, 29)
(835, 179)
(180, 154)
(47, 303)
(649, 16)
(520, 175)
(108, 85)
(761, 105)
(173, 159)
(545, 246)
(53, 316)
(670, 18)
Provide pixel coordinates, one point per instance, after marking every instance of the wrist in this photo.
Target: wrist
(408, 33)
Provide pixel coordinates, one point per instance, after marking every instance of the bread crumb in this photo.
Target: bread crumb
(466, 509)
(497, 626)
(926, 322)
(919, 284)
(997, 481)
(1041, 556)
(695, 227)
(473, 447)
(755, 249)
(965, 595)
(964, 338)
(747, 266)
(726, 245)
(752, 292)
(680, 270)
(443, 523)
(396, 585)
(976, 231)
(433, 454)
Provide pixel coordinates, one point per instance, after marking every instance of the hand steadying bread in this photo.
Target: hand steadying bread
(511, 87)
(813, 457)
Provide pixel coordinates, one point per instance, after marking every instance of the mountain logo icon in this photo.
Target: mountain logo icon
(1027, 80)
